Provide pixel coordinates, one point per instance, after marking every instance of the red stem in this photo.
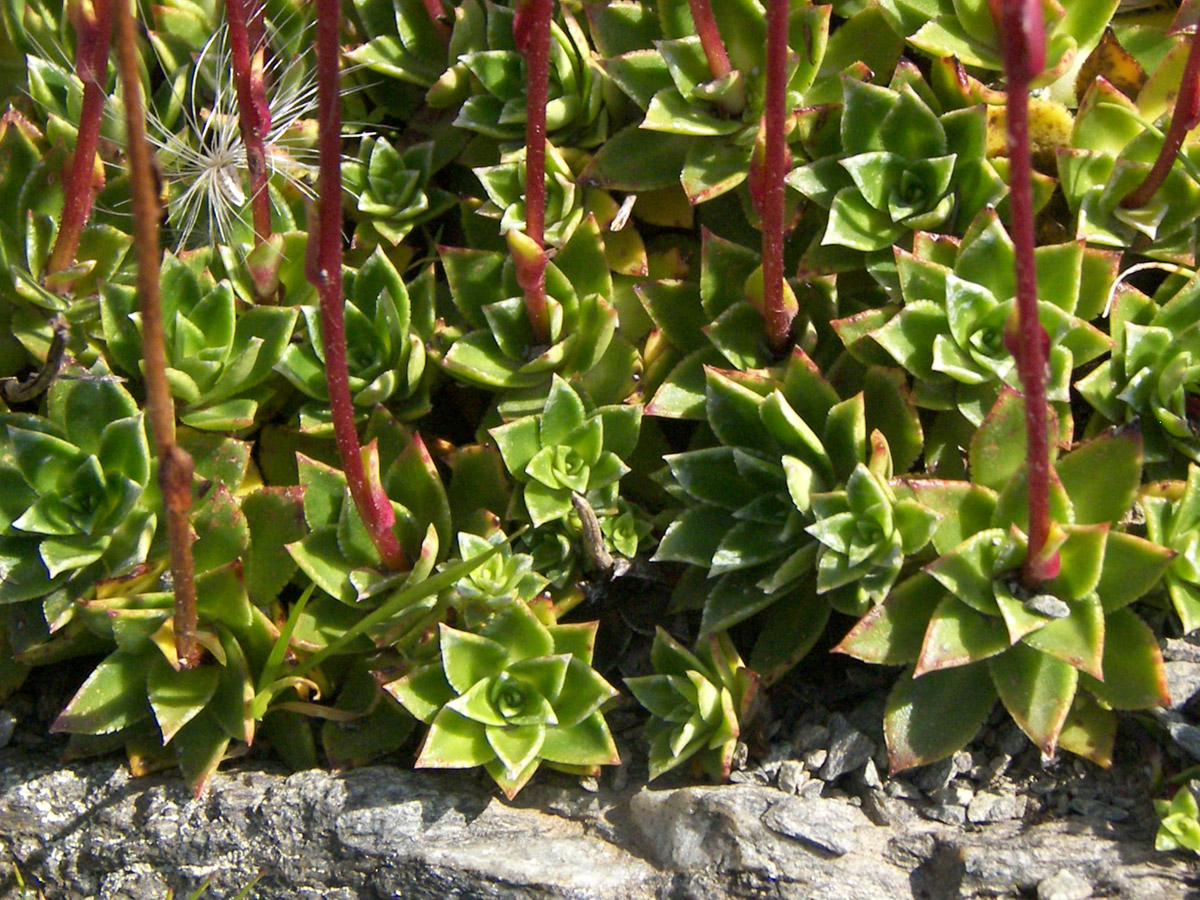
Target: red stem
(437, 15)
(1185, 117)
(326, 276)
(254, 116)
(93, 27)
(777, 314)
(174, 464)
(1022, 32)
(531, 28)
(710, 38)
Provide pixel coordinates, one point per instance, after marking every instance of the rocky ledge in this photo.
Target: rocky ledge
(89, 830)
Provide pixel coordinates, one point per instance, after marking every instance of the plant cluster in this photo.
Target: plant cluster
(812, 312)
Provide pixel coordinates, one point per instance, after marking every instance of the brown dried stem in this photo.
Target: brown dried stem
(174, 464)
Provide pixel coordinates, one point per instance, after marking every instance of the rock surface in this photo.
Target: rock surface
(89, 830)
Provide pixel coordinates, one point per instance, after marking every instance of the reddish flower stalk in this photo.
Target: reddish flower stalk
(325, 273)
(1023, 36)
(437, 15)
(1185, 117)
(174, 463)
(254, 116)
(93, 30)
(777, 314)
(710, 38)
(531, 29)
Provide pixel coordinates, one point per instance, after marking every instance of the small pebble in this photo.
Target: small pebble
(792, 776)
(814, 759)
(948, 815)
(957, 793)
(870, 775)
(812, 788)
(1064, 885)
(998, 765)
(987, 806)
(901, 789)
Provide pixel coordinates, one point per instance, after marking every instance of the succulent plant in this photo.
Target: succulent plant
(1179, 828)
(749, 502)
(72, 507)
(1110, 153)
(1061, 655)
(951, 332)
(699, 127)
(392, 191)
(516, 694)
(503, 579)
(1152, 374)
(899, 165)
(387, 324)
(698, 703)
(1173, 521)
(867, 534)
(497, 350)
(565, 450)
(504, 185)
(217, 355)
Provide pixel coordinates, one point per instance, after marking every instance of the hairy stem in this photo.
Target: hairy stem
(254, 116)
(174, 463)
(710, 38)
(777, 314)
(1184, 118)
(532, 32)
(93, 29)
(1022, 31)
(325, 272)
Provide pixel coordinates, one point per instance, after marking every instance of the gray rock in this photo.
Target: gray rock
(934, 776)
(1048, 605)
(946, 813)
(7, 724)
(1182, 732)
(849, 749)
(1185, 649)
(91, 831)
(870, 775)
(1066, 885)
(827, 824)
(1183, 682)
(988, 806)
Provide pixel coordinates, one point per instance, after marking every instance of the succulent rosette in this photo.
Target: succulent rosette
(566, 450)
(784, 440)
(698, 703)
(1153, 374)
(950, 334)
(387, 323)
(71, 507)
(504, 185)
(899, 165)
(1061, 655)
(516, 694)
(1179, 829)
(218, 352)
(392, 191)
(490, 343)
(867, 534)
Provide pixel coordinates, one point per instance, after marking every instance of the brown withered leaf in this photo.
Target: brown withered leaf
(1113, 62)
